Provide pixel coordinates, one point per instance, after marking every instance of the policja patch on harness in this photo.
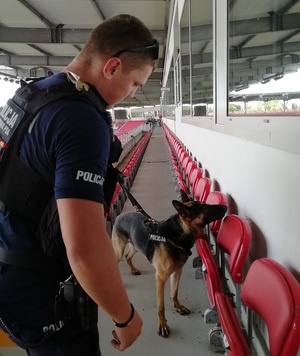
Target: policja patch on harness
(157, 238)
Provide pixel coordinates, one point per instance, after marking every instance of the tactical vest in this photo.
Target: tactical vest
(23, 190)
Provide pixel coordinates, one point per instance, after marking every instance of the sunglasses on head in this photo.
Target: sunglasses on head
(153, 49)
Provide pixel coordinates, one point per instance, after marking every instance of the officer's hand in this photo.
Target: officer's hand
(124, 337)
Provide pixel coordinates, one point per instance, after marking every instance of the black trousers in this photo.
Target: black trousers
(84, 344)
(27, 313)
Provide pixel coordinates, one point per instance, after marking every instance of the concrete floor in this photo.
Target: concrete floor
(154, 189)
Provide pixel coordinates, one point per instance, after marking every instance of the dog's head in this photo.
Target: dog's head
(195, 214)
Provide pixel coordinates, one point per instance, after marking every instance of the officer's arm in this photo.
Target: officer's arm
(93, 260)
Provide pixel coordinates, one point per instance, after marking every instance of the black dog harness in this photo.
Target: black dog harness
(156, 238)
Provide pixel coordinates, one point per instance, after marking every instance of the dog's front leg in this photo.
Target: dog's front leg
(174, 279)
(163, 328)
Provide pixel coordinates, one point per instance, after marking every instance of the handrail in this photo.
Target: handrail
(126, 136)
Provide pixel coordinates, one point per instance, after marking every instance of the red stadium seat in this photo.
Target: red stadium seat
(191, 165)
(195, 175)
(216, 198)
(234, 339)
(202, 189)
(273, 293)
(234, 239)
(237, 231)
(184, 162)
(278, 303)
(210, 269)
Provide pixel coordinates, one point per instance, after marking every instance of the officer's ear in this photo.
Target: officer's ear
(111, 66)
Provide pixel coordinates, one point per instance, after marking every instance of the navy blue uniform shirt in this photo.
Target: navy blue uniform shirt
(68, 145)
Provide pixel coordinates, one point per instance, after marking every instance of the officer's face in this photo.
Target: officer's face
(123, 84)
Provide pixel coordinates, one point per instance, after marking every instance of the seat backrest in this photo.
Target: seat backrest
(234, 238)
(181, 154)
(191, 165)
(176, 146)
(233, 336)
(210, 269)
(185, 160)
(216, 198)
(274, 293)
(194, 177)
(202, 189)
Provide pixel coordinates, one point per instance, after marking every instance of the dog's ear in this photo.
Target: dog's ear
(184, 196)
(180, 207)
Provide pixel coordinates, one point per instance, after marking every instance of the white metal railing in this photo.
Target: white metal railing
(125, 137)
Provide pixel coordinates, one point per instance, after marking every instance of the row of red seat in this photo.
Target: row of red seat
(269, 290)
(130, 170)
(132, 165)
(189, 176)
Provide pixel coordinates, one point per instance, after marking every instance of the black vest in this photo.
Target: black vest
(36, 199)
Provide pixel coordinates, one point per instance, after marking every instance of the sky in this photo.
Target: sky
(7, 90)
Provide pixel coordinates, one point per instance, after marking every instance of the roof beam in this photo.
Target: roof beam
(39, 49)
(5, 52)
(9, 59)
(285, 48)
(243, 27)
(199, 33)
(282, 49)
(36, 13)
(46, 35)
(287, 7)
(98, 9)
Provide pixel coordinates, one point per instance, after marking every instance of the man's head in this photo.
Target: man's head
(115, 35)
(124, 53)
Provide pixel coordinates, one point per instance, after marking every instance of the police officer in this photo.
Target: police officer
(47, 307)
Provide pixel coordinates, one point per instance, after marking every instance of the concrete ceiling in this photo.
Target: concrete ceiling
(38, 36)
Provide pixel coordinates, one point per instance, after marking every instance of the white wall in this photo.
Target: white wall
(255, 161)
(262, 184)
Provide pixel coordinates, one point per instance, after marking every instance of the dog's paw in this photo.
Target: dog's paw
(182, 310)
(163, 330)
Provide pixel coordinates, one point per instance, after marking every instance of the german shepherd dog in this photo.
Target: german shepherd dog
(167, 245)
